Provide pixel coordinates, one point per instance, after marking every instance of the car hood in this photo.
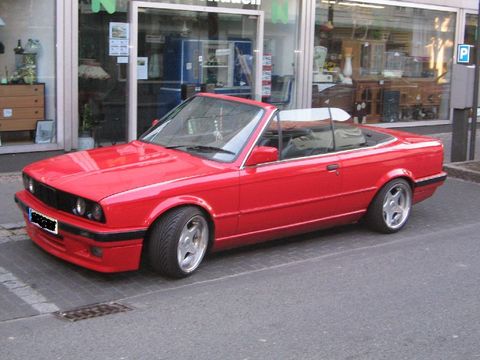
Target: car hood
(96, 174)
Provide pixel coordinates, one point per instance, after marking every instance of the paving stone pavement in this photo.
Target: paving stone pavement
(68, 286)
(12, 232)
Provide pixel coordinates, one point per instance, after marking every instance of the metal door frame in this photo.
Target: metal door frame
(133, 51)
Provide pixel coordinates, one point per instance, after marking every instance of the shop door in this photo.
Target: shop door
(178, 50)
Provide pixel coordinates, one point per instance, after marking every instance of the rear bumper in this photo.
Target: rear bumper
(108, 252)
(425, 187)
(437, 179)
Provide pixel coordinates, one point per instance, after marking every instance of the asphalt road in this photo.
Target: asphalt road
(345, 293)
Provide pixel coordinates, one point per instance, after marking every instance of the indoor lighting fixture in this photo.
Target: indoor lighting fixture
(355, 4)
(360, 1)
(2, 23)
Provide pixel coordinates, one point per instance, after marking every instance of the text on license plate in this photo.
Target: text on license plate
(45, 222)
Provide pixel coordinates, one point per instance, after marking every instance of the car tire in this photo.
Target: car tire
(391, 207)
(178, 242)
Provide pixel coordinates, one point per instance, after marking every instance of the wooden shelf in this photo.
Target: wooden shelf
(21, 106)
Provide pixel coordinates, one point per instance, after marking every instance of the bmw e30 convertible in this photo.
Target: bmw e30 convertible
(219, 172)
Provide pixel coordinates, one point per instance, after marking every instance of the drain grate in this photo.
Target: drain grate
(92, 311)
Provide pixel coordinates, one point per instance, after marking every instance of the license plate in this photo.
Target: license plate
(43, 221)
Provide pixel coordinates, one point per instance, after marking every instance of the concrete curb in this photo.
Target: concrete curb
(15, 173)
(463, 170)
(10, 177)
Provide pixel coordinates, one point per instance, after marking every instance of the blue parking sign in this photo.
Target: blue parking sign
(463, 54)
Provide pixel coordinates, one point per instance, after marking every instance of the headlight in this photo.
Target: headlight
(97, 212)
(88, 209)
(80, 207)
(31, 185)
(28, 183)
(25, 181)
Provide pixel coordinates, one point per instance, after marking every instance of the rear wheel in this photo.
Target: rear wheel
(178, 242)
(390, 209)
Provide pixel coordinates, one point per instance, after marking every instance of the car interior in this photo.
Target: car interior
(302, 139)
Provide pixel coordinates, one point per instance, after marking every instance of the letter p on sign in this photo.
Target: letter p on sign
(463, 53)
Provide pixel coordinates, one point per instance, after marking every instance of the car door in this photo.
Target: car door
(291, 194)
(363, 164)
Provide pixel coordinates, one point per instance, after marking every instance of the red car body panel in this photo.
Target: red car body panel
(137, 182)
(133, 165)
(76, 248)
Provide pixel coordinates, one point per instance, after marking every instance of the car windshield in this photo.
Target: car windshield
(209, 127)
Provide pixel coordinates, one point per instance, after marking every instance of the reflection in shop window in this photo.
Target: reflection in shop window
(280, 42)
(27, 71)
(101, 77)
(383, 63)
(470, 32)
(470, 29)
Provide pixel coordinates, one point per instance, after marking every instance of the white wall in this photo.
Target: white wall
(33, 19)
(464, 4)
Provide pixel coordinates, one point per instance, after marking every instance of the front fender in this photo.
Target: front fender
(176, 201)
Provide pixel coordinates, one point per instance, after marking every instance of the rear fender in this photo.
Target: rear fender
(394, 174)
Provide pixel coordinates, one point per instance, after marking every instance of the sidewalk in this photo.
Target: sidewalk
(11, 221)
(468, 170)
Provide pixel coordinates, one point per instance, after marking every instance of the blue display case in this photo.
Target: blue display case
(226, 66)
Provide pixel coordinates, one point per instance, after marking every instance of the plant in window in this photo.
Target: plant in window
(86, 128)
(86, 119)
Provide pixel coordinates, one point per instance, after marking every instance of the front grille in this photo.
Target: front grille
(92, 311)
(54, 198)
(46, 194)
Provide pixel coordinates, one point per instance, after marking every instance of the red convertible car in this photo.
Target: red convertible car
(218, 172)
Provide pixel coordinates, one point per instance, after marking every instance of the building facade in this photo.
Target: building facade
(97, 72)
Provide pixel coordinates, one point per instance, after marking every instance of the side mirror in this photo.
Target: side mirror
(261, 155)
(155, 122)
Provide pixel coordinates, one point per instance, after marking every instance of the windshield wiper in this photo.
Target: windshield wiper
(175, 146)
(205, 148)
(201, 148)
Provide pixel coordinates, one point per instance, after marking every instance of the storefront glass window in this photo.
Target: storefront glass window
(103, 69)
(102, 83)
(470, 29)
(383, 63)
(181, 52)
(27, 72)
(280, 41)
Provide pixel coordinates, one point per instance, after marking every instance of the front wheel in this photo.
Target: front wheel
(178, 242)
(390, 209)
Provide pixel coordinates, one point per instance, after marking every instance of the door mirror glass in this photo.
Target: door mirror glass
(262, 155)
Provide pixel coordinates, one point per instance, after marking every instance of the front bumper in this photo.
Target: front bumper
(120, 249)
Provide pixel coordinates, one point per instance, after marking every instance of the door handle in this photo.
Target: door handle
(332, 167)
